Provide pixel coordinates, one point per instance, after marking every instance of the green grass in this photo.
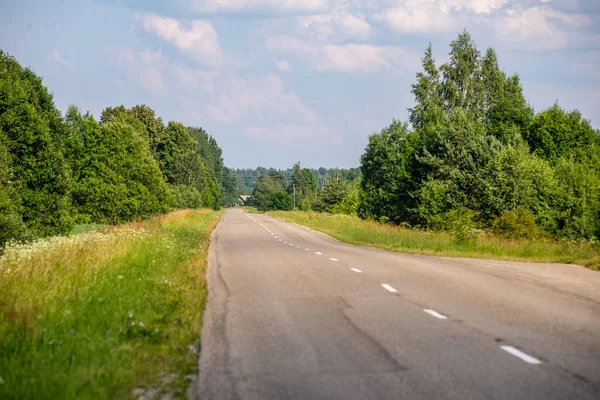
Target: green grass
(353, 230)
(102, 313)
(251, 210)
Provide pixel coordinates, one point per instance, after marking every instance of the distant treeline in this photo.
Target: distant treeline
(246, 178)
(473, 156)
(330, 190)
(57, 171)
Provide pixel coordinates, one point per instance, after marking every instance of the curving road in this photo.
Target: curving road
(293, 314)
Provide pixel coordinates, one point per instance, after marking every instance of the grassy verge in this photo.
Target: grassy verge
(353, 230)
(111, 313)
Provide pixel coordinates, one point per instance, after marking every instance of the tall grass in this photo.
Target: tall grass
(104, 313)
(351, 229)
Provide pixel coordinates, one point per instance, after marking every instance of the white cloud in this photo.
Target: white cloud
(219, 96)
(425, 16)
(293, 134)
(193, 79)
(56, 57)
(144, 68)
(345, 57)
(278, 6)
(417, 19)
(336, 25)
(198, 39)
(283, 65)
(477, 6)
(538, 27)
(254, 99)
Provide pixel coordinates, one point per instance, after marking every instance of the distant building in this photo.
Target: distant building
(244, 198)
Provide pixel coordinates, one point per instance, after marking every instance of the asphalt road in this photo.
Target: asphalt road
(293, 314)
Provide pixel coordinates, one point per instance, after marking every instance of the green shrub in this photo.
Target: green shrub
(186, 197)
(305, 204)
(279, 200)
(517, 224)
(433, 203)
(460, 222)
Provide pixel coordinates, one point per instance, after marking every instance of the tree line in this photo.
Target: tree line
(473, 155)
(335, 191)
(58, 171)
(247, 177)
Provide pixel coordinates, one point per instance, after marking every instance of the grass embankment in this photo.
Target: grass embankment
(105, 314)
(356, 231)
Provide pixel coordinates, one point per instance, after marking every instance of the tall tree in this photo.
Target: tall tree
(11, 221)
(427, 90)
(34, 138)
(117, 177)
(505, 110)
(461, 83)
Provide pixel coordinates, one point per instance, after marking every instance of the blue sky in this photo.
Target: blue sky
(280, 81)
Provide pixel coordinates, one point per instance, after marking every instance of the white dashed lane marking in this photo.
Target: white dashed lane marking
(388, 288)
(356, 270)
(519, 354)
(334, 259)
(307, 249)
(318, 253)
(435, 314)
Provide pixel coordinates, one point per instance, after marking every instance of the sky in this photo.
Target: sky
(281, 81)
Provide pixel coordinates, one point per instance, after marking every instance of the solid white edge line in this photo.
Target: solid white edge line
(334, 259)
(435, 314)
(388, 288)
(356, 270)
(519, 354)
(318, 253)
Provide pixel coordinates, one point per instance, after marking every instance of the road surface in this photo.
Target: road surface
(294, 314)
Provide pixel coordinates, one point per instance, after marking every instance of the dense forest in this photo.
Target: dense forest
(58, 171)
(473, 155)
(329, 190)
(246, 178)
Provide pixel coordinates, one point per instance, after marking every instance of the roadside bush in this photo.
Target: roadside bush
(578, 199)
(461, 224)
(186, 197)
(279, 201)
(517, 224)
(11, 222)
(433, 203)
(305, 204)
